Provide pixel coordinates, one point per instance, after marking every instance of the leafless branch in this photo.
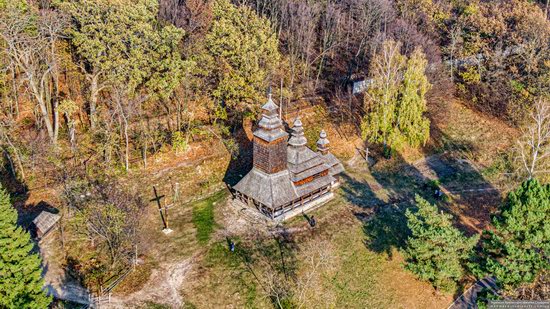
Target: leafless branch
(533, 148)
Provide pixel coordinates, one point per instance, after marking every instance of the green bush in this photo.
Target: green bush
(179, 142)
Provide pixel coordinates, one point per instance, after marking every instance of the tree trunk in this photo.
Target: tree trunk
(127, 150)
(94, 89)
(178, 113)
(46, 117)
(145, 153)
(55, 100)
(15, 92)
(72, 136)
(55, 114)
(40, 91)
(72, 132)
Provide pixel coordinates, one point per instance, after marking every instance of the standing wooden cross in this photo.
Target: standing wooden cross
(157, 199)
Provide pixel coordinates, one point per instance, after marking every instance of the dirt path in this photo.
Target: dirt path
(163, 287)
(69, 291)
(58, 283)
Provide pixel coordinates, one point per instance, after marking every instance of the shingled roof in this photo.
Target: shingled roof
(302, 161)
(270, 125)
(306, 171)
(336, 166)
(272, 190)
(45, 221)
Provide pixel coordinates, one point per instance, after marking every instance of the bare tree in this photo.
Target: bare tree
(330, 35)
(108, 216)
(325, 40)
(319, 262)
(365, 23)
(300, 25)
(30, 41)
(533, 148)
(125, 107)
(455, 38)
(192, 15)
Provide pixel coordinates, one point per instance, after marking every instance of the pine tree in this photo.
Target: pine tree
(20, 271)
(436, 250)
(518, 249)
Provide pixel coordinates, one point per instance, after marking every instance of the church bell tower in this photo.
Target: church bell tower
(270, 141)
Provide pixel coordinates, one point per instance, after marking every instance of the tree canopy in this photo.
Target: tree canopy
(120, 43)
(436, 250)
(241, 54)
(21, 283)
(516, 251)
(395, 102)
(411, 121)
(504, 50)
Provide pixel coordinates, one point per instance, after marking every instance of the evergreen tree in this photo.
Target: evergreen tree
(241, 53)
(436, 250)
(396, 100)
(20, 271)
(518, 249)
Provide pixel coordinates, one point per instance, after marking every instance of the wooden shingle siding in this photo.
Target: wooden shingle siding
(270, 157)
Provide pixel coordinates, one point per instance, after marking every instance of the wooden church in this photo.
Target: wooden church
(287, 177)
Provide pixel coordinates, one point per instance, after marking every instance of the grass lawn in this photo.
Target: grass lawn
(192, 224)
(332, 268)
(359, 276)
(203, 216)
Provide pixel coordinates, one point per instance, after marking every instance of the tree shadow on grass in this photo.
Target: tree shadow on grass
(474, 197)
(261, 263)
(384, 222)
(359, 193)
(466, 193)
(448, 169)
(387, 230)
